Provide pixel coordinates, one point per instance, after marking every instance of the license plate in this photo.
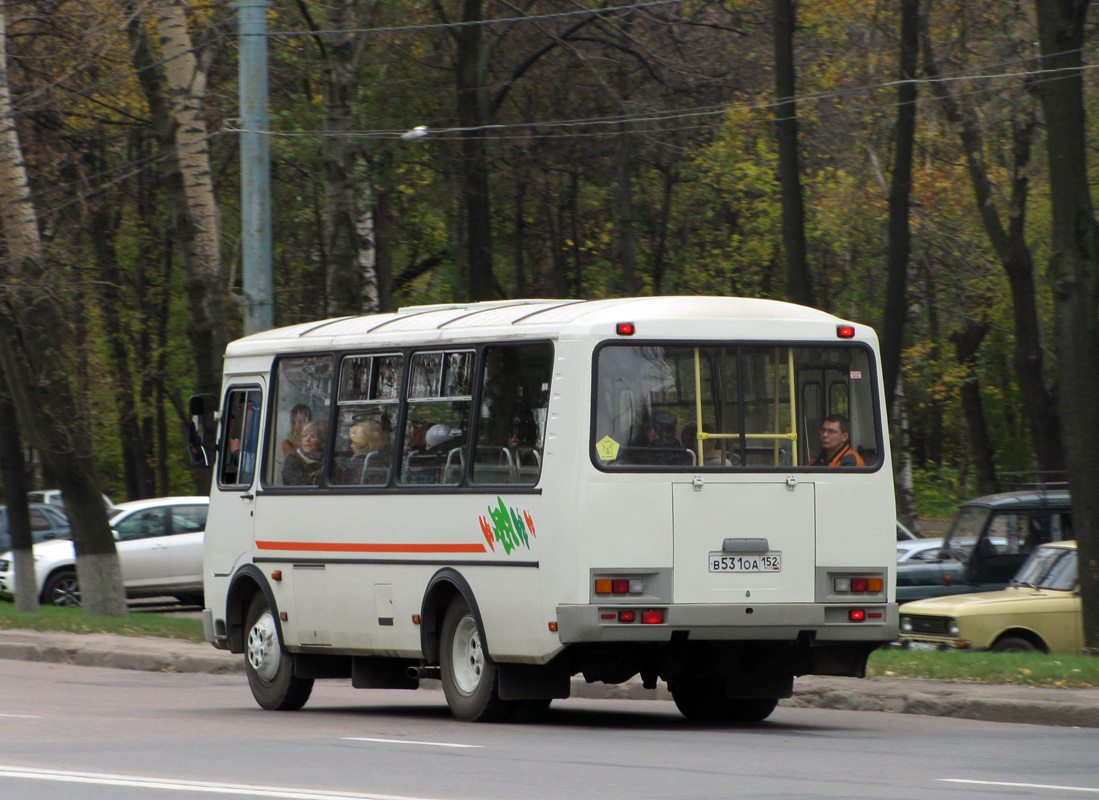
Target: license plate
(761, 562)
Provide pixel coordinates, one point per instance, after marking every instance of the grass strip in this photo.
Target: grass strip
(73, 620)
(1022, 669)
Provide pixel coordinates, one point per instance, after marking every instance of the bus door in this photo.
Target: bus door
(744, 542)
(741, 537)
(232, 501)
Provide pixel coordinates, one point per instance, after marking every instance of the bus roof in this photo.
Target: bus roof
(654, 317)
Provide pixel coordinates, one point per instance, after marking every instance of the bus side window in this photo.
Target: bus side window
(303, 396)
(511, 420)
(440, 389)
(240, 439)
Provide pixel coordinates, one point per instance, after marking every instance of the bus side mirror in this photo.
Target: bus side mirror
(201, 408)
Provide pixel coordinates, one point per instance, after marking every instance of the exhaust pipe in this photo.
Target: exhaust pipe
(430, 673)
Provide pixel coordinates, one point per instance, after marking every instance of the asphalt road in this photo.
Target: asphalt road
(89, 732)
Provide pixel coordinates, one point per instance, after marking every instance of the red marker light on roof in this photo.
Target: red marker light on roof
(625, 329)
(845, 331)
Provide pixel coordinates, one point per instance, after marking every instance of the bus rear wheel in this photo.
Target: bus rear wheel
(269, 667)
(703, 700)
(468, 676)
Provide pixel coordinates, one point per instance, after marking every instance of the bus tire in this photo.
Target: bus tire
(703, 700)
(62, 590)
(269, 667)
(469, 678)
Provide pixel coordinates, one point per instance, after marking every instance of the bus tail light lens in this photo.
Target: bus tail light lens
(652, 616)
(619, 586)
(627, 615)
(856, 615)
(858, 584)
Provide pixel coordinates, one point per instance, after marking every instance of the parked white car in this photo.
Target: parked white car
(159, 545)
(918, 549)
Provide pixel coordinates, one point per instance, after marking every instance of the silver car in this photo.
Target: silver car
(159, 544)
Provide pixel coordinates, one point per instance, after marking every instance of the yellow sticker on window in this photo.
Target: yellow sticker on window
(607, 448)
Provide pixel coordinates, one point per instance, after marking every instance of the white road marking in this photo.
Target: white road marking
(409, 741)
(168, 784)
(21, 716)
(1011, 785)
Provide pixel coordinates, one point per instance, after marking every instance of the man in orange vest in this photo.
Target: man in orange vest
(835, 437)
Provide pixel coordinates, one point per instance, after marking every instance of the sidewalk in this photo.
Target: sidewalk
(991, 703)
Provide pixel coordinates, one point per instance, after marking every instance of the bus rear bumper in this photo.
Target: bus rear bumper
(731, 622)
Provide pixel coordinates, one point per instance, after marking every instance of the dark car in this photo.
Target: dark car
(47, 522)
(988, 541)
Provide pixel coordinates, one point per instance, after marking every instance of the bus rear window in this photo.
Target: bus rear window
(734, 407)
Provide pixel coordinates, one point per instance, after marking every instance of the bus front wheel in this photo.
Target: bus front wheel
(469, 678)
(269, 667)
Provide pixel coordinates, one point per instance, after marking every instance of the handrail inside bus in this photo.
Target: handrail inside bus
(701, 435)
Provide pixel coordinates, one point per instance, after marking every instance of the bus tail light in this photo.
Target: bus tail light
(652, 616)
(627, 615)
(845, 331)
(858, 584)
(856, 615)
(619, 586)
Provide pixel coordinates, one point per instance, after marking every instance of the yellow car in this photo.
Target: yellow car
(1039, 612)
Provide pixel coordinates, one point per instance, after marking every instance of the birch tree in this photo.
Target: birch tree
(197, 223)
(36, 363)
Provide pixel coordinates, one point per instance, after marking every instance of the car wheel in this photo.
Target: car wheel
(469, 678)
(62, 589)
(269, 667)
(1014, 644)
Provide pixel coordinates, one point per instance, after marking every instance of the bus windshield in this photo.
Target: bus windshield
(731, 406)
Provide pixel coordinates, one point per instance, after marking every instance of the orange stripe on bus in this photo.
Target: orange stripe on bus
(340, 547)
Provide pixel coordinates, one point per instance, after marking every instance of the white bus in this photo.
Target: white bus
(505, 495)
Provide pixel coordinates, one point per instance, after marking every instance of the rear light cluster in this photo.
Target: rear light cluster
(624, 588)
(858, 585)
(647, 616)
(619, 586)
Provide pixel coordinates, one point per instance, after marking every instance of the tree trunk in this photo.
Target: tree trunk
(626, 249)
(198, 226)
(896, 290)
(347, 242)
(35, 362)
(799, 283)
(1038, 400)
(472, 117)
(14, 479)
(966, 343)
(1074, 271)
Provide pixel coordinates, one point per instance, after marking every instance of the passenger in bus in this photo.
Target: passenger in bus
(371, 444)
(663, 449)
(835, 442)
(299, 415)
(304, 465)
(711, 455)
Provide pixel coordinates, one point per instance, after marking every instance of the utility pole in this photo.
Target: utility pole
(255, 167)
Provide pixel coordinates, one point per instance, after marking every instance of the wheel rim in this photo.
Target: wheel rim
(66, 593)
(468, 656)
(263, 650)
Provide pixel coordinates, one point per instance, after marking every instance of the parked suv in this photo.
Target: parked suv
(988, 541)
(159, 545)
(47, 522)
